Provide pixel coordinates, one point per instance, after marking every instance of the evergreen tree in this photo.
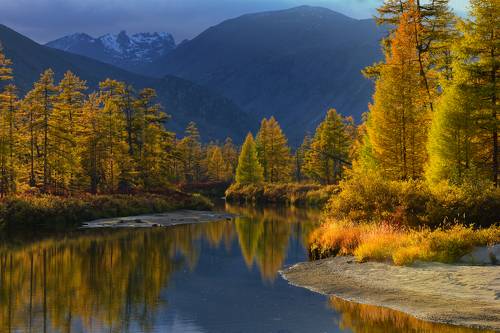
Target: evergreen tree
(273, 152)
(329, 150)
(249, 170)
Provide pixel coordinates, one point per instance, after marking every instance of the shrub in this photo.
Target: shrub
(370, 198)
(289, 194)
(61, 212)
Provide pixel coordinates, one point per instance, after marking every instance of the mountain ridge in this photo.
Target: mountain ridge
(216, 116)
(293, 64)
(128, 52)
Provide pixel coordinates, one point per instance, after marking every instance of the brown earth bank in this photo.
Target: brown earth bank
(462, 295)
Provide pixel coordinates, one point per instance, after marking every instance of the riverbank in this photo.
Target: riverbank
(56, 212)
(286, 194)
(179, 217)
(461, 295)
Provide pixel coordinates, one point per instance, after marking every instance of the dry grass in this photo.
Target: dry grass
(402, 246)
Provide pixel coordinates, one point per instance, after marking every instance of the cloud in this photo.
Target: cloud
(44, 20)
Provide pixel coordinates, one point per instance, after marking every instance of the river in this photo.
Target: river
(214, 277)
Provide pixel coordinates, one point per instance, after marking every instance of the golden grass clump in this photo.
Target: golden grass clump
(402, 246)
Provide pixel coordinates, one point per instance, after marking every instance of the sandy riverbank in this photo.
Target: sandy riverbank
(453, 294)
(159, 220)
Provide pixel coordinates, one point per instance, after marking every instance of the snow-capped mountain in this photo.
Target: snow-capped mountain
(123, 50)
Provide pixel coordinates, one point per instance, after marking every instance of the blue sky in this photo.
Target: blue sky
(45, 20)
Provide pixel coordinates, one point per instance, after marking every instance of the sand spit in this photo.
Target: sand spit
(463, 295)
(159, 220)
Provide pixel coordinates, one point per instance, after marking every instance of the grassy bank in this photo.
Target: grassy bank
(405, 221)
(402, 246)
(287, 194)
(56, 212)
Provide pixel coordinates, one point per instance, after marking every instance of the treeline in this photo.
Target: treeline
(425, 160)
(435, 109)
(434, 114)
(321, 158)
(59, 139)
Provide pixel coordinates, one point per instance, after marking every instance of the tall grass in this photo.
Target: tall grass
(400, 245)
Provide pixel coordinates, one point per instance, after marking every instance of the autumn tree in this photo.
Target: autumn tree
(8, 135)
(44, 96)
(66, 125)
(9, 139)
(5, 67)
(249, 170)
(230, 155)
(149, 139)
(273, 152)
(463, 140)
(93, 142)
(328, 154)
(216, 166)
(116, 162)
(190, 153)
(398, 119)
(432, 34)
(300, 159)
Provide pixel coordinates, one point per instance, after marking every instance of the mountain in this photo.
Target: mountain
(121, 50)
(216, 116)
(293, 64)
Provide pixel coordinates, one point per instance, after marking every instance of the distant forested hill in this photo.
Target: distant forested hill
(216, 116)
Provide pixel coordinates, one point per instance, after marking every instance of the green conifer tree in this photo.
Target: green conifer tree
(273, 152)
(249, 170)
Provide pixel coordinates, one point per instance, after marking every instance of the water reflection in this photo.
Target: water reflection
(216, 277)
(113, 279)
(362, 318)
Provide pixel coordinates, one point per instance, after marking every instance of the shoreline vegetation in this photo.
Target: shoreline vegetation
(284, 194)
(56, 212)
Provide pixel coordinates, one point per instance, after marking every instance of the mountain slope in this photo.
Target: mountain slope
(216, 116)
(293, 64)
(121, 50)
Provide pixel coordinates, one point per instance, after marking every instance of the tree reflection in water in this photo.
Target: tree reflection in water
(362, 318)
(113, 278)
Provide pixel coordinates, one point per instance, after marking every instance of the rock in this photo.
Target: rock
(487, 255)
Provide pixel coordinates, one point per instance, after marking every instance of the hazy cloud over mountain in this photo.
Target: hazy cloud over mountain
(45, 20)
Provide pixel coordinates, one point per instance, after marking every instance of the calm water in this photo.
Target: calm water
(216, 277)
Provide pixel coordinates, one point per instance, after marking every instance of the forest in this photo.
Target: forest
(426, 151)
